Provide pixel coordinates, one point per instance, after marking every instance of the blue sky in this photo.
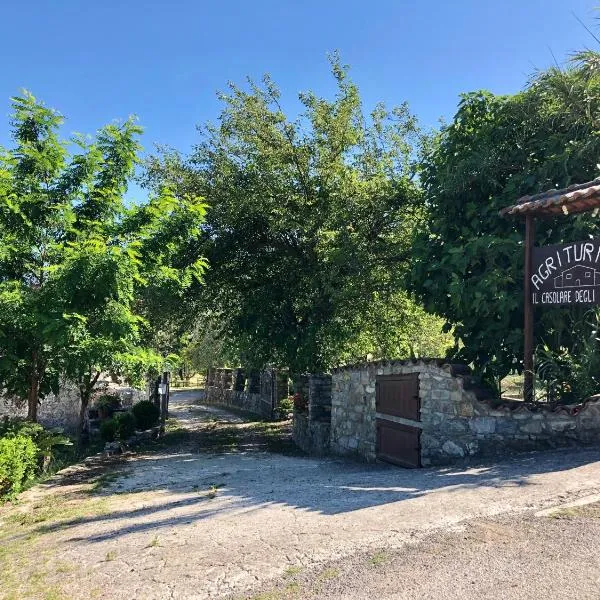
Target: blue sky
(164, 61)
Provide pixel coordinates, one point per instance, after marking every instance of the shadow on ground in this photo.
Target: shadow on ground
(216, 464)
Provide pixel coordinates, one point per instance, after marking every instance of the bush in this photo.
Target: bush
(107, 404)
(18, 463)
(146, 414)
(108, 430)
(285, 407)
(125, 425)
(47, 441)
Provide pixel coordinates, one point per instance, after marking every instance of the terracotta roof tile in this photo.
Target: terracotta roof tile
(573, 199)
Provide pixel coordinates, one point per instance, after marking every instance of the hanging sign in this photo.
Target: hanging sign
(566, 274)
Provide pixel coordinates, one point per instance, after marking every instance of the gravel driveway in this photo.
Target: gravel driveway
(201, 521)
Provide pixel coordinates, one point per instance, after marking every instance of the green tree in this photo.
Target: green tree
(468, 263)
(77, 267)
(310, 221)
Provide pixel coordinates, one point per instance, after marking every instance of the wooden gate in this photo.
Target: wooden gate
(398, 419)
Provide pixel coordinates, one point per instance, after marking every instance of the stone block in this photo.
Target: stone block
(521, 414)
(483, 425)
(453, 449)
(429, 441)
(456, 396)
(464, 409)
(531, 427)
(438, 394)
(559, 425)
(433, 419)
(506, 426)
(453, 426)
(472, 447)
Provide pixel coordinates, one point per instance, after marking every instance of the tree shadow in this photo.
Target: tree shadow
(227, 466)
(245, 482)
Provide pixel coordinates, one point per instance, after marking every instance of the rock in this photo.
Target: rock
(483, 425)
(452, 449)
(453, 426)
(473, 447)
(532, 427)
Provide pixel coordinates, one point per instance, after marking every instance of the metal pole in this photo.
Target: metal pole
(528, 383)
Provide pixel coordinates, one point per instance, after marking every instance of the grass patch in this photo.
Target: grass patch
(292, 572)
(330, 573)
(52, 512)
(291, 590)
(588, 511)
(30, 559)
(154, 542)
(103, 481)
(379, 558)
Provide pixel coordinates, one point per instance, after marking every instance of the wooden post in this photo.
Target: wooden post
(164, 400)
(528, 383)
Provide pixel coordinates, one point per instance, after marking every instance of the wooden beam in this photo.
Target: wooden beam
(528, 383)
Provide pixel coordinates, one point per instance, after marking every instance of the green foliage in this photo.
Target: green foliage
(570, 375)
(310, 223)
(285, 407)
(125, 425)
(84, 279)
(18, 463)
(108, 430)
(146, 414)
(48, 442)
(468, 261)
(108, 403)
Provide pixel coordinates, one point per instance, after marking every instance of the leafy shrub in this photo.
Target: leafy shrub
(146, 414)
(285, 407)
(47, 441)
(18, 463)
(108, 430)
(125, 425)
(108, 404)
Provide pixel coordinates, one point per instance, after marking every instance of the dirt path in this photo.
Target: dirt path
(512, 557)
(224, 506)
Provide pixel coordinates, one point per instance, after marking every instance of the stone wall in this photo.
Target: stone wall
(62, 410)
(456, 419)
(312, 428)
(257, 392)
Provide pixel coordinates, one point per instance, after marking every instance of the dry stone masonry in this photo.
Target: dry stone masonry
(257, 392)
(312, 428)
(455, 421)
(62, 410)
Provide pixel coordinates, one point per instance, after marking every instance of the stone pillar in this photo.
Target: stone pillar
(319, 398)
(239, 379)
(227, 377)
(282, 389)
(253, 382)
(218, 377)
(300, 385)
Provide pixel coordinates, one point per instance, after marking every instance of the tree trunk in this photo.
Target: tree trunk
(85, 392)
(33, 396)
(84, 395)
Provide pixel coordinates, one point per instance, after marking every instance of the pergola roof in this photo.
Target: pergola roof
(578, 198)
